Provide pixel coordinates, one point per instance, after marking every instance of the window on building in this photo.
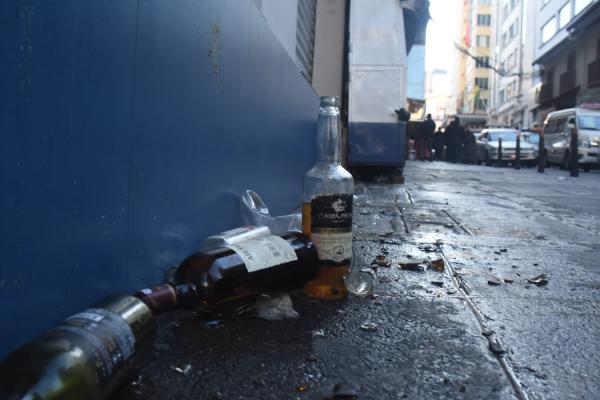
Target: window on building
(505, 11)
(483, 40)
(513, 29)
(580, 5)
(571, 62)
(549, 77)
(484, 19)
(305, 36)
(514, 88)
(549, 29)
(504, 39)
(482, 83)
(513, 3)
(564, 15)
(482, 62)
(501, 96)
(481, 104)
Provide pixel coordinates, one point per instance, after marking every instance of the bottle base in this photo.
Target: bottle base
(328, 284)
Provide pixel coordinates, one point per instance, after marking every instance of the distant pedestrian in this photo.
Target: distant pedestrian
(425, 138)
(438, 144)
(454, 141)
(470, 149)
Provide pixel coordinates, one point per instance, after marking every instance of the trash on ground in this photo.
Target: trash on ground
(360, 281)
(427, 248)
(255, 213)
(421, 267)
(451, 292)
(184, 371)
(342, 391)
(496, 348)
(381, 261)
(301, 388)
(273, 308)
(437, 283)
(369, 326)
(539, 280)
(487, 332)
(311, 358)
(504, 250)
(506, 280)
(438, 264)
(493, 281)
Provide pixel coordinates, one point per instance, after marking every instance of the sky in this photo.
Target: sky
(442, 31)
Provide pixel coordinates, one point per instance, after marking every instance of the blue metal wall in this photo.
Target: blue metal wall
(128, 130)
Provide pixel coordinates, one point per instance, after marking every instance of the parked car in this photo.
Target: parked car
(487, 147)
(531, 137)
(557, 136)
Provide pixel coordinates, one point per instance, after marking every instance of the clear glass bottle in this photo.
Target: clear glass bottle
(327, 207)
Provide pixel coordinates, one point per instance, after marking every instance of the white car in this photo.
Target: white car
(487, 147)
(557, 137)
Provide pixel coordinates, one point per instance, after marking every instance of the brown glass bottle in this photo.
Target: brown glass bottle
(85, 357)
(224, 280)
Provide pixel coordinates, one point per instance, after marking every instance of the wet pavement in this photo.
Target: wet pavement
(477, 329)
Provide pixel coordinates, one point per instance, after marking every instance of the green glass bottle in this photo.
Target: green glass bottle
(84, 357)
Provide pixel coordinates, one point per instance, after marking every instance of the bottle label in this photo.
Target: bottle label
(236, 235)
(264, 252)
(108, 341)
(331, 226)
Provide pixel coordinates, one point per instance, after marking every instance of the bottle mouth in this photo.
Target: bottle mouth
(330, 101)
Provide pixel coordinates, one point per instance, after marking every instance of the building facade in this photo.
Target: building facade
(511, 76)
(567, 52)
(473, 74)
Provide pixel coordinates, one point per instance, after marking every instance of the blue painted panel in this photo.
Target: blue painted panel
(376, 144)
(129, 130)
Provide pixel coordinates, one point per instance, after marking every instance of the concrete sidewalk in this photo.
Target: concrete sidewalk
(480, 330)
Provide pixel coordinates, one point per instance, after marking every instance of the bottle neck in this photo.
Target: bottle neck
(167, 297)
(328, 136)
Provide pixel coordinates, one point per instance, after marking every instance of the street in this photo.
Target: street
(487, 326)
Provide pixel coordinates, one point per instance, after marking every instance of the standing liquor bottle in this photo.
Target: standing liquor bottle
(84, 357)
(228, 279)
(327, 207)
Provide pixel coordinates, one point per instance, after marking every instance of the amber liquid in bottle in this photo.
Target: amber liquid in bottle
(226, 282)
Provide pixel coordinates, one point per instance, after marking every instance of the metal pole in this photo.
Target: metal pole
(499, 152)
(573, 153)
(518, 152)
(541, 154)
